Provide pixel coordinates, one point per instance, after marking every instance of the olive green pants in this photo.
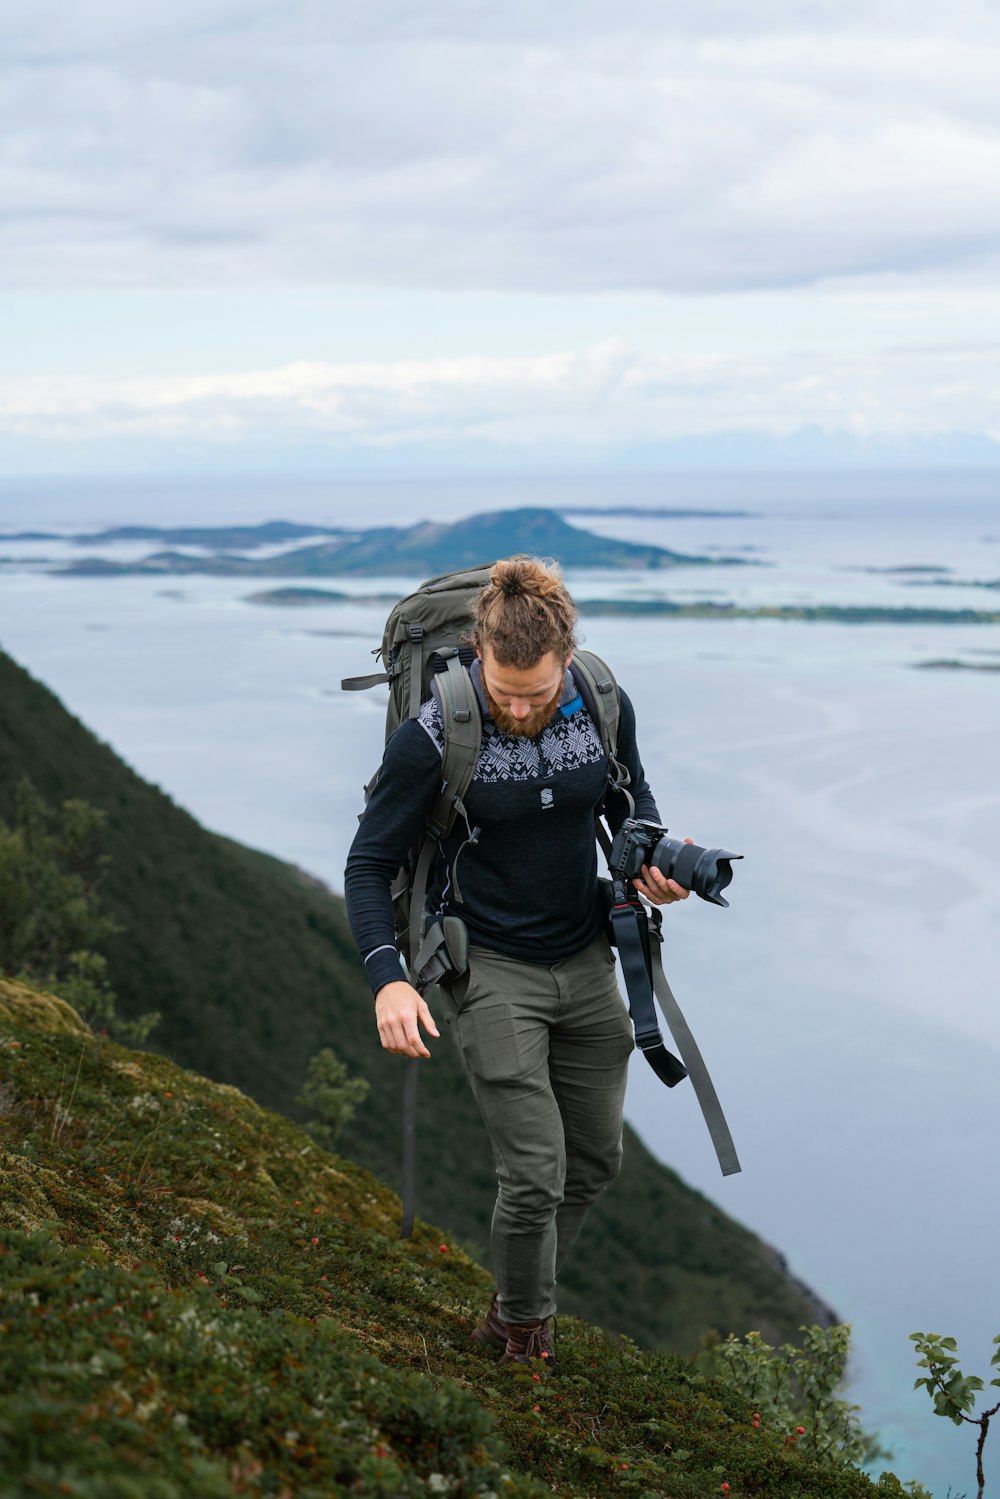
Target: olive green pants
(546, 1049)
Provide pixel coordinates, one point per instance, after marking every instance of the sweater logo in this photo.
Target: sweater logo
(546, 798)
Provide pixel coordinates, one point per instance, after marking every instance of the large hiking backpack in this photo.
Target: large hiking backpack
(423, 644)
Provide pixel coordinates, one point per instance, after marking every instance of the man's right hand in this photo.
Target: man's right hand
(398, 1008)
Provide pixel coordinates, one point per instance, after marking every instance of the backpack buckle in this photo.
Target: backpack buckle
(415, 632)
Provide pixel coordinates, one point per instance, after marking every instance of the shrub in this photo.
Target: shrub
(329, 1092)
(793, 1390)
(50, 915)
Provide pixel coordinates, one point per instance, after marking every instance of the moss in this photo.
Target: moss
(200, 1300)
(37, 1011)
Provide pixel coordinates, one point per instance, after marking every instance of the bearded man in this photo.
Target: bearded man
(540, 1025)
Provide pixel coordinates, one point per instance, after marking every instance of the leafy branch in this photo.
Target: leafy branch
(954, 1393)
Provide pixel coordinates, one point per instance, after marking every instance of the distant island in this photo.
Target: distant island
(954, 583)
(926, 575)
(663, 608)
(268, 533)
(905, 568)
(424, 549)
(845, 614)
(953, 664)
(298, 598)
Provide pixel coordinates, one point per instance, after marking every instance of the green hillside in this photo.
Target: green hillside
(197, 1301)
(252, 966)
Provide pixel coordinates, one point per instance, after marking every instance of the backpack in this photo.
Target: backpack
(423, 650)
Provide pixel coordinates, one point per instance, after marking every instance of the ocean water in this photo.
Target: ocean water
(847, 1001)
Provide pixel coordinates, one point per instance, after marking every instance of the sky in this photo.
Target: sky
(237, 234)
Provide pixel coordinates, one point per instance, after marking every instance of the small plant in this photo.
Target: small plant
(954, 1393)
(329, 1092)
(792, 1390)
(86, 988)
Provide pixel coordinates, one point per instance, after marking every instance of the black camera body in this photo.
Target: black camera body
(706, 871)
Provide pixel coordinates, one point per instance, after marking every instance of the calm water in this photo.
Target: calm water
(846, 1002)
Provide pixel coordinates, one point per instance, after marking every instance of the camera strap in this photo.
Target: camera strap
(639, 939)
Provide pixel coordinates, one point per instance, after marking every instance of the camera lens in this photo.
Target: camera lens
(706, 871)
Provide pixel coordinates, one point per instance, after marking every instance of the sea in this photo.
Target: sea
(847, 1001)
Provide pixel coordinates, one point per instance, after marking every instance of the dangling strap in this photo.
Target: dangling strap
(632, 941)
(361, 684)
(411, 1077)
(639, 939)
(703, 1086)
(418, 898)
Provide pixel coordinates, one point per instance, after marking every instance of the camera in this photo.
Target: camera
(706, 871)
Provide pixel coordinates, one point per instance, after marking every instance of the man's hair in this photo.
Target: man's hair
(523, 613)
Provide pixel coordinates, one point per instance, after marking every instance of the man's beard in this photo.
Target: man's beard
(528, 727)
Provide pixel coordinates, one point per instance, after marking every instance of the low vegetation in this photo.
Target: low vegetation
(198, 1299)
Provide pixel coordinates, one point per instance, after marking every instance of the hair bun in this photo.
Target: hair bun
(523, 612)
(510, 575)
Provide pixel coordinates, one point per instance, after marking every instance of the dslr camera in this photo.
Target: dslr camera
(706, 871)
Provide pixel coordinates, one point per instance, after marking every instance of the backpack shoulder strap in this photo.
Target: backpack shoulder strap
(463, 736)
(602, 696)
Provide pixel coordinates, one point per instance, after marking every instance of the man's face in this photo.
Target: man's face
(523, 701)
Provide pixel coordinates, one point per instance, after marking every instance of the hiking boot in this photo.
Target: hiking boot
(528, 1341)
(491, 1332)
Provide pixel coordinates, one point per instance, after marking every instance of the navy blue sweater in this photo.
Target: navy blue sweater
(529, 885)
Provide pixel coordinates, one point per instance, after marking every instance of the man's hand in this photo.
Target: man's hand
(398, 1008)
(657, 889)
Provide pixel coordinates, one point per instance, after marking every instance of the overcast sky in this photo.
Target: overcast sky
(233, 228)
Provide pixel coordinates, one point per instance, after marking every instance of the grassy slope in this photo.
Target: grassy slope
(197, 1300)
(253, 967)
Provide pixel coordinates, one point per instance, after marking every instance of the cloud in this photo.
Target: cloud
(606, 396)
(557, 147)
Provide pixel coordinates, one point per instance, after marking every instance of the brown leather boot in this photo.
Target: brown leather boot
(491, 1332)
(530, 1340)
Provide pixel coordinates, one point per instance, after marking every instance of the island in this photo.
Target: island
(665, 608)
(424, 549)
(267, 533)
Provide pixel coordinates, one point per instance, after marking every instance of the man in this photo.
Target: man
(540, 1025)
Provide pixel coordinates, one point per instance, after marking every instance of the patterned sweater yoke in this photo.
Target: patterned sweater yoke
(529, 881)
